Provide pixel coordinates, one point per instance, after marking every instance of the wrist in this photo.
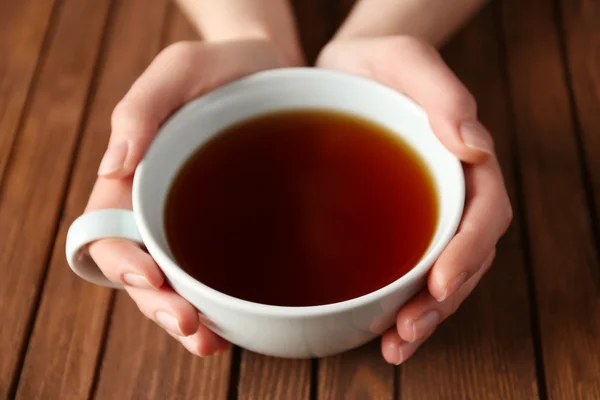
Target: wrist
(236, 20)
(431, 21)
(289, 54)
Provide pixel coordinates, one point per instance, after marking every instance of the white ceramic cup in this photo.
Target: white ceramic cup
(296, 332)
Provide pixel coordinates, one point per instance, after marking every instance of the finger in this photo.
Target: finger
(416, 69)
(110, 193)
(421, 315)
(487, 216)
(395, 350)
(203, 342)
(418, 320)
(179, 73)
(125, 263)
(390, 346)
(165, 307)
(119, 260)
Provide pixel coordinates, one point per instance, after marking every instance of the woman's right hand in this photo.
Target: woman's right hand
(413, 67)
(180, 73)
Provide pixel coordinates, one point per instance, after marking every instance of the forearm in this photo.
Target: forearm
(220, 20)
(431, 20)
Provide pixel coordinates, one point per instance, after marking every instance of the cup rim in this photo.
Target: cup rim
(415, 273)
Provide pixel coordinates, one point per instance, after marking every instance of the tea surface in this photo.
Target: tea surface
(301, 208)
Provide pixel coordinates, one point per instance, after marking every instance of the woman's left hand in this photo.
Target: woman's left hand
(417, 70)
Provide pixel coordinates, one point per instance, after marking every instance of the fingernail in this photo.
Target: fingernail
(453, 286)
(475, 136)
(168, 322)
(425, 324)
(114, 158)
(135, 280)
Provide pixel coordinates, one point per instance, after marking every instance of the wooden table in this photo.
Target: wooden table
(530, 330)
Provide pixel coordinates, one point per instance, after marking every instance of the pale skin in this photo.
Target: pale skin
(389, 41)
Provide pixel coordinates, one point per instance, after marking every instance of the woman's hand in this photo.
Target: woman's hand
(178, 74)
(417, 70)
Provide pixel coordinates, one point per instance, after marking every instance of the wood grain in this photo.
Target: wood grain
(315, 20)
(358, 374)
(564, 260)
(343, 10)
(178, 27)
(36, 181)
(23, 26)
(70, 328)
(141, 361)
(270, 378)
(581, 20)
(485, 351)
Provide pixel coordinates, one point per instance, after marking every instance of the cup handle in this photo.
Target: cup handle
(93, 226)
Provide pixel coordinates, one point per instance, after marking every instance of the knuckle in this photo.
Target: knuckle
(183, 53)
(130, 118)
(122, 110)
(464, 102)
(125, 112)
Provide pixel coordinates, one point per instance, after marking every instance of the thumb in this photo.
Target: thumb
(416, 69)
(468, 139)
(178, 74)
(422, 75)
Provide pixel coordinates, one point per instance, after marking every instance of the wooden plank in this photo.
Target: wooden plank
(358, 374)
(565, 263)
(35, 183)
(149, 364)
(144, 362)
(69, 331)
(485, 351)
(23, 25)
(581, 20)
(270, 378)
